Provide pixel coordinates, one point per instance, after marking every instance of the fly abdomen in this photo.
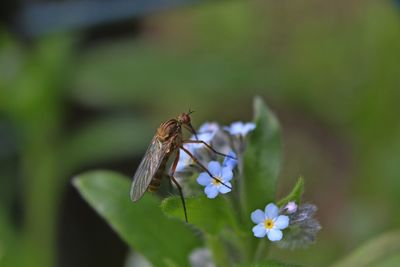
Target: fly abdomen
(156, 181)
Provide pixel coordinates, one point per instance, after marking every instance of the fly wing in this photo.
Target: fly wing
(148, 167)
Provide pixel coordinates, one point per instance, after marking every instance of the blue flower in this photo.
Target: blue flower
(230, 161)
(269, 223)
(240, 128)
(212, 186)
(206, 133)
(211, 127)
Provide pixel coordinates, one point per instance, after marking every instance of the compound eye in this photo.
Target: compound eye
(185, 118)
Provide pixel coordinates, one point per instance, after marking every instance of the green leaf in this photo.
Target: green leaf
(209, 215)
(262, 160)
(374, 252)
(391, 261)
(219, 251)
(295, 195)
(268, 263)
(163, 241)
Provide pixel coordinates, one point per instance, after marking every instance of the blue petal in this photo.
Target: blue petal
(202, 136)
(181, 166)
(259, 230)
(204, 179)
(248, 127)
(209, 127)
(281, 222)
(206, 137)
(236, 128)
(190, 147)
(229, 161)
(227, 174)
(211, 191)
(215, 168)
(206, 133)
(271, 211)
(183, 161)
(274, 234)
(258, 216)
(223, 189)
(240, 128)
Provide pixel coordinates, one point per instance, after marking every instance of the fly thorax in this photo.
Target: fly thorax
(168, 130)
(162, 135)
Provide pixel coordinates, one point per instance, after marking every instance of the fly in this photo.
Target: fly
(167, 142)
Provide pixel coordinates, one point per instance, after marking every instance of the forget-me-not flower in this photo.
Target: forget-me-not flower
(239, 128)
(230, 160)
(212, 186)
(205, 133)
(210, 127)
(269, 223)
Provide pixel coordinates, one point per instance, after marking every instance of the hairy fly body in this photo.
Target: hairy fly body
(167, 141)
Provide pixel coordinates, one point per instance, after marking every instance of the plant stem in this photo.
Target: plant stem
(218, 250)
(261, 251)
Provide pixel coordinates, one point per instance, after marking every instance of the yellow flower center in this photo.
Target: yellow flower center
(268, 223)
(216, 182)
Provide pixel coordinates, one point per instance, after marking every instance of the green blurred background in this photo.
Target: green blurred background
(90, 95)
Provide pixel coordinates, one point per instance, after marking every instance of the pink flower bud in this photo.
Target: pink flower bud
(291, 207)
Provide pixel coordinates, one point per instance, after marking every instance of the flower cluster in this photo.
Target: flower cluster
(228, 140)
(290, 226)
(303, 226)
(298, 221)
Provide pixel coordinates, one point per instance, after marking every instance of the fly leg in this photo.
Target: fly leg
(173, 168)
(208, 146)
(203, 167)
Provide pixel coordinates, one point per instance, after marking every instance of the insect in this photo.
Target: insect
(167, 141)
